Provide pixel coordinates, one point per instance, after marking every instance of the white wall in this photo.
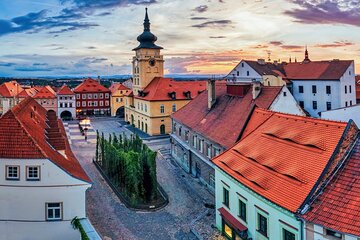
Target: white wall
(67, 101)
(348, 79)
(344, 114)
(22, 203)
(243, 68)
(286, 104)
(320, 234)
(275, 213)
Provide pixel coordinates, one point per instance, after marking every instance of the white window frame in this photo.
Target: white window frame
(95, 103)
(84, 96)
(106, 103)
(101, 96)
(31, 178)
(77, 96)
(101, 103)
(174, 107)
(7, 172)
(162, 108)
(47, 208)
(78, 104)
(84, 104)
(106, 95)
(89, 96)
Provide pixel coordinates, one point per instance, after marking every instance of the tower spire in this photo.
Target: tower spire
(306, 59)
(146, 21)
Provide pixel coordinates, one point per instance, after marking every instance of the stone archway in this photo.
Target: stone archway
(66, 115)
(120, 112)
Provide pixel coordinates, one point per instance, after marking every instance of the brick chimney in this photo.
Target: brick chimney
(211, 93)
(256, 89)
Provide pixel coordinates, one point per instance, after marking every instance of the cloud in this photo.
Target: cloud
(38, 21)
(335, 44)
(216, 24)
(326, 12)
(201, 8)
(285, 46)
(199, 18)
(7, 64)
(217, 37)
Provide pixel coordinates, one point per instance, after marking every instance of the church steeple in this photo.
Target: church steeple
(306, 59)
(147, 39)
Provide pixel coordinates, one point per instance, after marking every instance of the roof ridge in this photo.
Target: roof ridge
(27, 133)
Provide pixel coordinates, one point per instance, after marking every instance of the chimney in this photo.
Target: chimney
(261, 61)
(211, 93)
(256, 89)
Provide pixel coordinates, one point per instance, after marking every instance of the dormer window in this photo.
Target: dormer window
(172, 95)
(187, 94)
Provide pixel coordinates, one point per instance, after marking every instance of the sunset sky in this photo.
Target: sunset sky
(90, 38)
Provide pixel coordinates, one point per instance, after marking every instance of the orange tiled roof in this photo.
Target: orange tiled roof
(65, 90)
(90, 85)
(117, 86)
(28, 132)
(338, 207)
(327, 70)
(160, 88)
(283, 154)
(225, 120)
(45, 92)
(10, 89)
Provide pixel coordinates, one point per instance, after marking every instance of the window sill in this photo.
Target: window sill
(53, 220)
(13, 179)
(263, 234)
(33, 180)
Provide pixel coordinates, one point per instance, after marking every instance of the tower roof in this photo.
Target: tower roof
(147, 39)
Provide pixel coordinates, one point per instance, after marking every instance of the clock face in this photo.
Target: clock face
(152, 62)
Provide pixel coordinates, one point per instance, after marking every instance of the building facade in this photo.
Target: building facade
(252, 176)
(317, 86)
(118, 91)
(153, 98)
(43, 186)
(92, 98)
(213, 121)
(46, 97)
(66, 103)
(9, 92)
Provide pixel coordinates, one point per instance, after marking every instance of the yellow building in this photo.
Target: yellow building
(154, 98)
(117, 101)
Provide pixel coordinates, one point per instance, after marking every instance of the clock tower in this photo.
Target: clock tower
(147, 62)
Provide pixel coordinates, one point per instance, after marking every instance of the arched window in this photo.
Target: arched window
(162, 129)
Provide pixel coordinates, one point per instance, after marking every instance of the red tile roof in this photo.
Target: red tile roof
(159, 89)
(225, 120)
(28, 132)
(65, 90)
(283, 154)
(338, 207)
(325, 70)
(10, 89)
(45, 92)
(117, 86)
(91, 86)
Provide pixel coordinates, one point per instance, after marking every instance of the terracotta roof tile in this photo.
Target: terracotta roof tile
(45, 92)
(65, 90)
(283, 153)
(225, 120)
(92, 86)
(325, 70)
(25, 134)
(117, 86)
(10, 89)
(338, 207)
(159, 89)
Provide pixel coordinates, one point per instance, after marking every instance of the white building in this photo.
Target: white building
(317, 86)
(264, 180)
(43, 186)
(343, 114)
(66, 103)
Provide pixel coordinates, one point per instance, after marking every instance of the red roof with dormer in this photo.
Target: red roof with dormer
(282, 153)
(338, 207)
(160, 89)
(27, 131)
(46, 92)
(91, 86)
(225, 120)
(65, 90)
(117, 87)
(10, 89)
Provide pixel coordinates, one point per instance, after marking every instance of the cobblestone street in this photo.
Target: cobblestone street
(113, 220)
